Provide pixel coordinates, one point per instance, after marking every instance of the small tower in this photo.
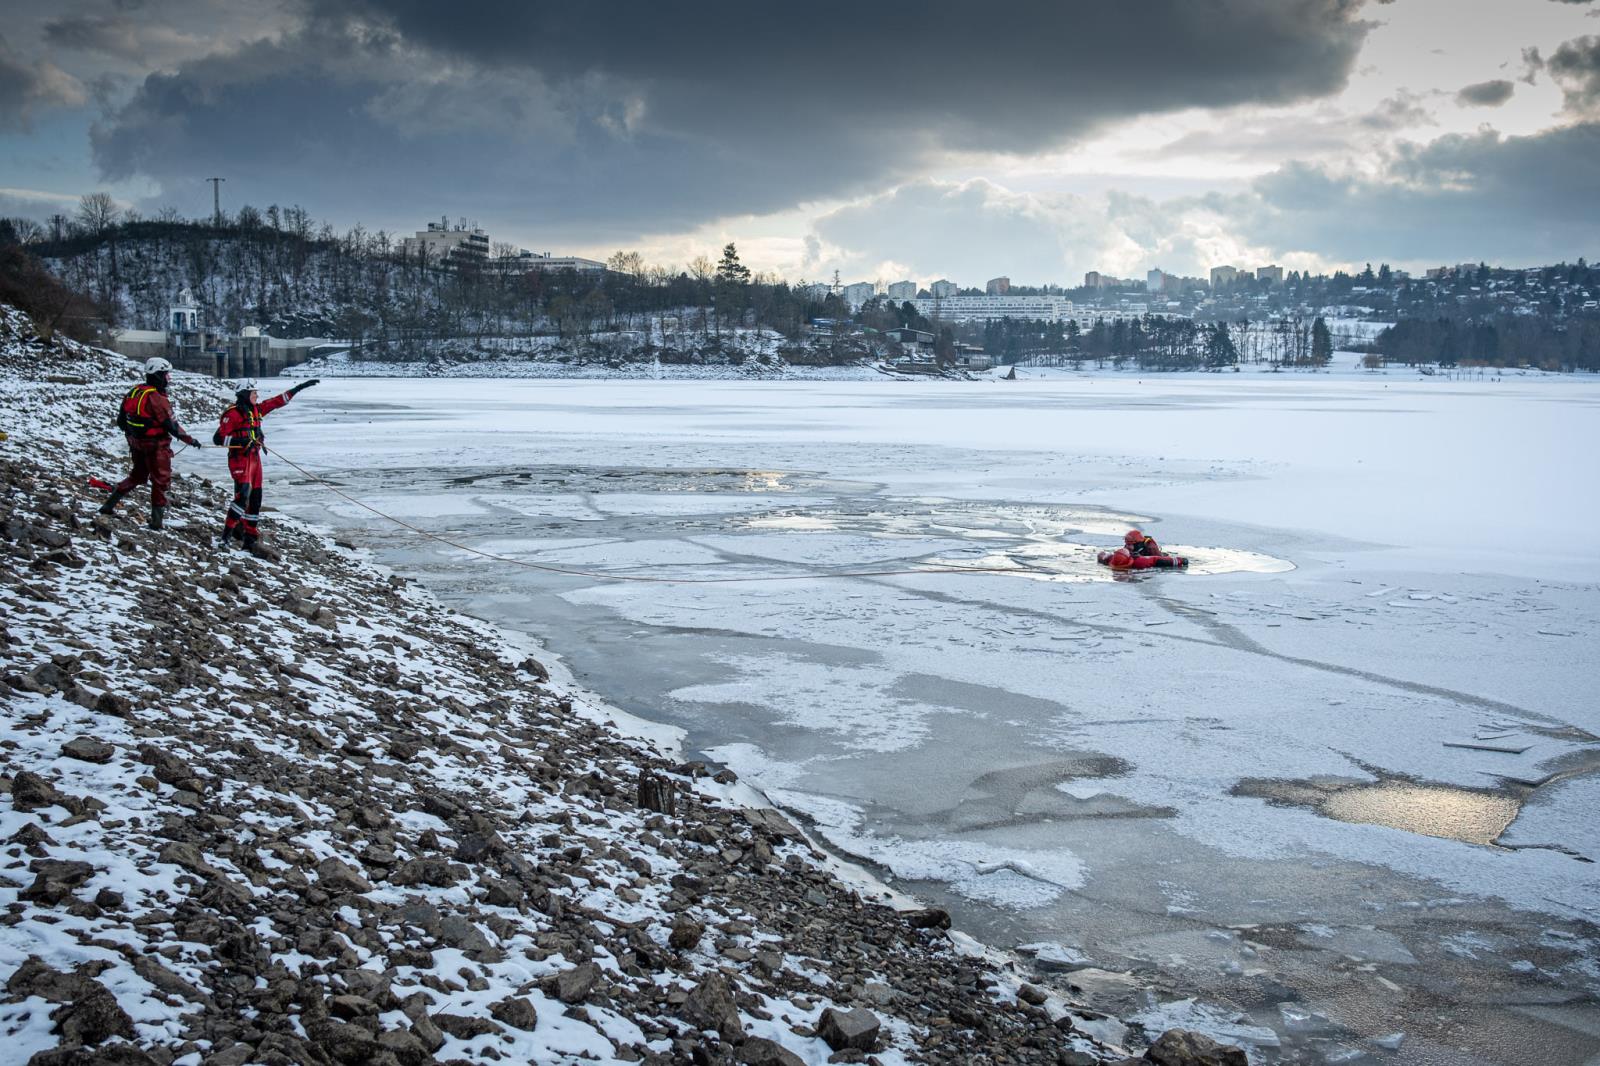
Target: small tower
(183, 315)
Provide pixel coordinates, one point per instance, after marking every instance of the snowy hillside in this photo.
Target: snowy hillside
(291, 810)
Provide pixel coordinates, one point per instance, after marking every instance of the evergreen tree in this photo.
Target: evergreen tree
(729, 270)
(1321, 343)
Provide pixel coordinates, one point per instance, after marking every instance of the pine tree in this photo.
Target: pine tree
(729, 270)
(1321, 343)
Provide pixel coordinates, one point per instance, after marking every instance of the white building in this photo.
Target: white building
(944, 287)
(525, 260)
(979, 308)
(1155, 280)
(903, 290)
(441, 244)
(1223, 275)
(859, 293)
(1273, 274)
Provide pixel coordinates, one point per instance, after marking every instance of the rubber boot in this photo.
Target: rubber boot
(158, 511)
(112, 501)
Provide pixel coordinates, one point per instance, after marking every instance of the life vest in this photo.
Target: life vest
(1145, 547)
(247, 435)
(134, 418)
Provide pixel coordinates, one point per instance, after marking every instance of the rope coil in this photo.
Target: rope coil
(602, 575)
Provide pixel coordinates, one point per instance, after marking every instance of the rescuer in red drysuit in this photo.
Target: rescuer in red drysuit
(240, 432)
(1141, 546)
(1123, 559)
(145, 417)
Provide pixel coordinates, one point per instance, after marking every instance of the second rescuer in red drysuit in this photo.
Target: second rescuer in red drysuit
(146, 418)
(241, 433)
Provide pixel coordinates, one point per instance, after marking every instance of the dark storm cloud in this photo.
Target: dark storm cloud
(1529, 198)
(27, 86)
(1576, 67)
(599, 119)
(1486, 93)
(113, 35)
(1523, 200)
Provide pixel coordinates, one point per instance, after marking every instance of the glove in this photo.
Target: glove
(191, 442)
(304, 385)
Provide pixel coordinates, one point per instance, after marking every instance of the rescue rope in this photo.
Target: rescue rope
(611, 576)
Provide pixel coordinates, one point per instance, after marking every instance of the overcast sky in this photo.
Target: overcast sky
(1039, 139)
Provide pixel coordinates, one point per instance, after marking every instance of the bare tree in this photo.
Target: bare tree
(97, 212)
(27, 230)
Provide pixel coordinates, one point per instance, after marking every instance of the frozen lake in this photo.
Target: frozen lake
(1337, 781)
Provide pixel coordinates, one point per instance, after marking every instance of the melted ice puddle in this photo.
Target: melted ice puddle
(1469, 815)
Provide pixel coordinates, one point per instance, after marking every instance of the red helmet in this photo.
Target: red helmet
(1133, 536)
(1121, 559)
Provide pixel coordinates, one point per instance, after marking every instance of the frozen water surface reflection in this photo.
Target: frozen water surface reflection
(1474, 816)
(1065, 760)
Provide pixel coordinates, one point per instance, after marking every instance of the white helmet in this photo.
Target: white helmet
(244, 385)
(156, 365)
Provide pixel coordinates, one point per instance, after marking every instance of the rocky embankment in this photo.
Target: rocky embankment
(290, 810)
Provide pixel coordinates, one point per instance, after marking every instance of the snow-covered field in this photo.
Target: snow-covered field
(1397, 585)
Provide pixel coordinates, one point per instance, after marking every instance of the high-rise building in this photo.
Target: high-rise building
(903, 290)
(1273, 274)
(944, 287)
(1094, 280)
(1155, 280)
(997, 286)
(859, 293)
(1223, 276)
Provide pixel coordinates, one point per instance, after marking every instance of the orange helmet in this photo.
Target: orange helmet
(1133, 536)
(1121, 559)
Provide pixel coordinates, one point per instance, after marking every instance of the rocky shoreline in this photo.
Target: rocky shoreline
(289, 809)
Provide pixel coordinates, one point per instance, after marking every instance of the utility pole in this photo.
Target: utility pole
(216, 200)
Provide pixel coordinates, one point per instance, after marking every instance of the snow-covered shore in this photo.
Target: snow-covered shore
(291, 810)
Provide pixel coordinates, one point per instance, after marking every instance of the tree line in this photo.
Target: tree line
(277, 269)
(1496, 340)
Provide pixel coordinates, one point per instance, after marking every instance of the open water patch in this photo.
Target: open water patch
(1470, 815)
(1037, 541)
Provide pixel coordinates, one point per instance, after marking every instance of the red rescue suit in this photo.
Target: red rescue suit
(1123, 559)
(146, 419)
(1145, 547)
(240, 431)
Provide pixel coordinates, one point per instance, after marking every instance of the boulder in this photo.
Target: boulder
(927, 918)
(710, 1006)
(656, 793)
(686, 933)
(464, 1027)
(92, 1017)
(340, 878)
(341, 1041)
(88, 749)
(849, 1030)
(426, 871)
(1184, 1047)
(759, 1051)
(458, 932)
(515, 1011)
(30, 792)
(574, 985)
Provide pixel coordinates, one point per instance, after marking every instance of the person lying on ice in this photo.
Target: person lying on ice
(240, 432)
(1123, 559)
(146, 419)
